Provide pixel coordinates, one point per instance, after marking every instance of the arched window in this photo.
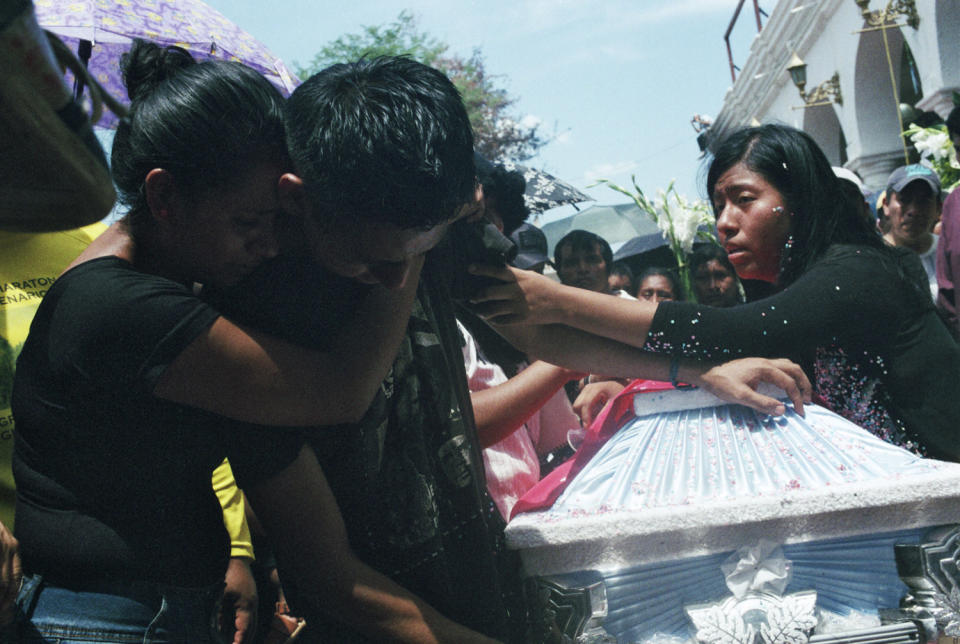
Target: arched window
(911, 91)
(843, 148)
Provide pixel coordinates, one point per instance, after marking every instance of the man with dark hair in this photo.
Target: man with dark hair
(502, 196)
(713, 278)
(380, 143)
(948, 249)
(912, 204)
(622, 279)
(408, 546)
(583, 259)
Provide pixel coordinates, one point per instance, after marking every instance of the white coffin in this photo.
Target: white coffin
(691, 480)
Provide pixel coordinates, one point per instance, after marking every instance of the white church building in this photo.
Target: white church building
(866, 62)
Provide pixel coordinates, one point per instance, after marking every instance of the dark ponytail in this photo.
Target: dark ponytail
(204, 122)
(146, 65)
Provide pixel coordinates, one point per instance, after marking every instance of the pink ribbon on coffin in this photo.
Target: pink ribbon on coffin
(620, 409)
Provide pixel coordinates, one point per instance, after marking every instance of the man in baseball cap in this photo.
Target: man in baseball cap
(531, 248)
(912, 204)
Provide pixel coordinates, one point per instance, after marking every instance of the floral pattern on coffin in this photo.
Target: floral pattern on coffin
(727, 453)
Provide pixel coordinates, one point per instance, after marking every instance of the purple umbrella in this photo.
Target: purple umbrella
(110, 26)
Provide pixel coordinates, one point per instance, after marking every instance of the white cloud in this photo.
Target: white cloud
(609, 170)
(625, 51)
(544, 15)
(531, 120)
(679, 9)
(613, 30)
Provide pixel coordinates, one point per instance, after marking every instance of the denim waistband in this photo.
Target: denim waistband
(126, 610)
(134, 588)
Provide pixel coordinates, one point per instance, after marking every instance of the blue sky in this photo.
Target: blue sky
(618, 80)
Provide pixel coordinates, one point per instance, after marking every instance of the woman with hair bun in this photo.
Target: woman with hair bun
(853, 312)
(129, 386)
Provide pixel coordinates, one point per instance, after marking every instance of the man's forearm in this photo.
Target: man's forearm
(372, 604)
(501, 409)
(369, 344)
(301, 516)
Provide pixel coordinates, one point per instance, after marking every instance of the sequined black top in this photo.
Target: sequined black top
(865, 330)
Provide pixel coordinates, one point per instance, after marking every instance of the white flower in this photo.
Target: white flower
(686, 222)
(931, 143)
(664, 221)
(939, 145)
(680, 221)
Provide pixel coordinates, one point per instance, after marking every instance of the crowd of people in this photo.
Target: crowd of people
(280, 294)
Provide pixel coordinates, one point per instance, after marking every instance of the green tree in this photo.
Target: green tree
(499, 135)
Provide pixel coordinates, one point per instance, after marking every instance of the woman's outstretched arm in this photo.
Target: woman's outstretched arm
(529, 298)
(734, 381)
(853, 292)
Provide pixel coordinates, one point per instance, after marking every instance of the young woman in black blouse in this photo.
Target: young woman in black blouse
(849, 309)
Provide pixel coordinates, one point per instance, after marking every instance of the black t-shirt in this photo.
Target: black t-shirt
(862, 323)
(113, 482)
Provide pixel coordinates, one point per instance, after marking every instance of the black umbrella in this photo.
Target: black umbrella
(640, 244)
(645, 251)
(544, 191)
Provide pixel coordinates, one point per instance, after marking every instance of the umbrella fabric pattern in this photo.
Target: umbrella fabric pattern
(544, 191)
(112, 25)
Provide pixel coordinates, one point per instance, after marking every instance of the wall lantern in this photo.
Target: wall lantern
(825, 93)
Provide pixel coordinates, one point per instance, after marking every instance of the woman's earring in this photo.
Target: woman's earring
(786, 254)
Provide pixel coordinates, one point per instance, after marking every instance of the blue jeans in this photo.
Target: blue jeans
(127, 612)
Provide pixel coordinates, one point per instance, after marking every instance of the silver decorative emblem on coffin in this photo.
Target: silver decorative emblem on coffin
(930, 572)
(757, 617)
(757, 612)
(566, 613)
